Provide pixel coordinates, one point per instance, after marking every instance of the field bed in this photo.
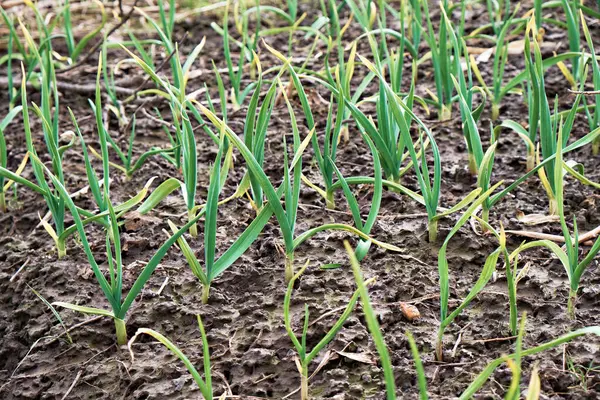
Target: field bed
(251, 353)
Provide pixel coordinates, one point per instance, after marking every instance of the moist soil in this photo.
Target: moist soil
(251, 354)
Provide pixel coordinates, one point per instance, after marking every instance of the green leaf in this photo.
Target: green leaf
(491, 367)
(53, 310)
(22, 181)
(205, 389)
(90, 35)
(160, 193)
(556, 249)
(373, 325)
(212, 204)
(443, 262)
(9, 117)
(421, 379)
(104, 285)
(460, 205)
(342, 227)
(85, 310)
(146, 273)
(256, 169)
(484, 277)
(590, 137)
(189, 255)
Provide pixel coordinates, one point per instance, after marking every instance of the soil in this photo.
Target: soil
(251, 355)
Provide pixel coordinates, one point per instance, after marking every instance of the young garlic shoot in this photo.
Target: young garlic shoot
(388, 135)
(446, 318)
(213, 267)
(548, 127)
(104, 141)
(306, 355)
(290, 19)
(255, 129)
(366, 226)
(593, 117)
(486, 274)
(569, 257)
(363, 245)
(205, 385)
(499, 62)
(95, 184)
(367, 126)
(54, 203)
(538, 107)
(403, 116)
(52, 196)
(480, 164)
(237, 94)
(332, 138)
(112, 287)
(128, 166)
(179, 104)
(48, 112)
(578, 144)
(514, 362)
(372, 324)
(513, 275)
(4, 154)
(465, 92)
(421, 378)
(75, 49)
(114, 105)
(334, 129)
(430, 191)
(286, 217)
(487, 372)
(441, 58)
(180, 74)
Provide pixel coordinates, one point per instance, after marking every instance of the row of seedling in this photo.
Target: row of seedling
(391, 142)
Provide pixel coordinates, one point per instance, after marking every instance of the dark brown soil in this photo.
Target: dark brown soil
(251, 354)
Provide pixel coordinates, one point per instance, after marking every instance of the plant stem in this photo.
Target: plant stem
(596, 147)
(553, 207)
(530, 161)
(512, 298)
(61, 248)
(2, 202)
(485, 215)
(495, 111)
(472, 165)
(329, 200)
(205, 293)
(445, 113)
(304, 384)
(289, 266)
(121, 331)
(193, 228)
(571, 303)
(439, 351)
(433, 228)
